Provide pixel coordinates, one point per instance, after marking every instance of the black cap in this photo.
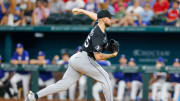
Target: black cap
(104, 13)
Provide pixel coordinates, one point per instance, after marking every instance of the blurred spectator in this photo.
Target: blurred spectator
(36, 12)
(158, 80)
(78, 49)
(57, 6)
(136, 84)
(46, 78)
(161, 7)
(20, 56)
(12, 10)
(150, 2)
(41, 59)
(106, 4)
(146, 15)
(64, 60)
(91, 5)
(119, 15)
(173, 84)
(175, 81)
(160, 63)
(173, 14)
(19, 18)
(176, 62)
(55, 59)
(4, 83)
(123, 61)
(178, 4)
(123, 79)
(131, 62)
(3, 12)
(27, 9)
(132, 14)
(110, 7)
(118, 4)
(74, 4)
(40, 13)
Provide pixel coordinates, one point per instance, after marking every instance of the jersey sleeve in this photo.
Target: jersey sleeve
(97, 42)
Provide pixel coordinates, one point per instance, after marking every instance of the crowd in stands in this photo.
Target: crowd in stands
(126, 12)
(126, 86)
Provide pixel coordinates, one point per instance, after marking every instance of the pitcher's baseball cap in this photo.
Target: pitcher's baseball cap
(104, 13)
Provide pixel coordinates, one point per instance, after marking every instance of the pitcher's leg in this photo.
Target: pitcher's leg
(96, 72)
(48, 83)
(69, 78)
(85, 65)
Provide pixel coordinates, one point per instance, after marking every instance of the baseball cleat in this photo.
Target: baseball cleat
(30, 96)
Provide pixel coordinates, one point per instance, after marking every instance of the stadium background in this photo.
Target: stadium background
(144, 43)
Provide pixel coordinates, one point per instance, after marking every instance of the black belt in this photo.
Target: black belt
(90, 54)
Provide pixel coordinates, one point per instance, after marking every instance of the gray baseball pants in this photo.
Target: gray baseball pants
(81, 63)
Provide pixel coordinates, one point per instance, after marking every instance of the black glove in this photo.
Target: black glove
(112, 46)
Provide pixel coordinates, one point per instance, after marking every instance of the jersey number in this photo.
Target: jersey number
(86, 44)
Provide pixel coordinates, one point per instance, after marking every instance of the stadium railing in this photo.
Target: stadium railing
(145, 70)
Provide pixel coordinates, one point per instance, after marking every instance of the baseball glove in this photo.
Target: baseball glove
(112, 46)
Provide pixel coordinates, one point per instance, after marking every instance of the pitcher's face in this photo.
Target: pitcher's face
(107, 21)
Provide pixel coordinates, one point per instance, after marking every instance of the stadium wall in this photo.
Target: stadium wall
(145, 46)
